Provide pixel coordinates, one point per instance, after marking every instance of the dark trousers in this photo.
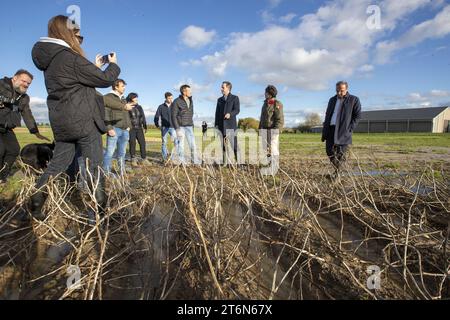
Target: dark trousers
(336, 153)
(91, 148)
(137, 134)
(77, 166)
(9, 151)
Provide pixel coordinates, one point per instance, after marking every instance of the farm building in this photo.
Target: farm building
(317, 129)
(432, 120)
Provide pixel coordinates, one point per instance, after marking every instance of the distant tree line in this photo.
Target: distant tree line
(311, 120)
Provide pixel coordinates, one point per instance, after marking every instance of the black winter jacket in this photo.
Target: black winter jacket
(11, 114)
(137, 117)
(75, 108)
(164, 114)
(182, 115)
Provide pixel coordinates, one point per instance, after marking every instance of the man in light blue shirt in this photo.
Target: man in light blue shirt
(337, 111)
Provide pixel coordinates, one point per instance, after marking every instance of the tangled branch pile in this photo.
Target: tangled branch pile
(209, 233)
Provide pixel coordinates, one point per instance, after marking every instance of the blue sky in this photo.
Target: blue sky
(302, 47)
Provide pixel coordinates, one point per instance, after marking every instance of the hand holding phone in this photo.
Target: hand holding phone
(109, 58)
(105, 59)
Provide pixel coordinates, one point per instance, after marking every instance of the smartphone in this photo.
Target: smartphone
(105, 58)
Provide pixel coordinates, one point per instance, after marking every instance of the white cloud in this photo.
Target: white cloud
(416, 97)
(149, 112)
(440, 93)
(288, 18)
(196, 87)
(197, 37)
(433, 98)
(39, 109)
(251, 100)
(36, 102)
(426, 104)
(332, 43)
(267, 17)
(275, 3)
(366, 68)
(434, 28)
(215, 64)
(394, 11)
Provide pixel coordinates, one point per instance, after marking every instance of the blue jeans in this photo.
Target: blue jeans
(188, 133)
(165, 132)
(119, 141)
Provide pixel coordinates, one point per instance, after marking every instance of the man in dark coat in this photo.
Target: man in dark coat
(14, 106)
(342, 117)
(228, 107)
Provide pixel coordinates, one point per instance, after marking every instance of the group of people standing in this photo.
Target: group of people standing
(79, 115)
(125, 123)
(175, 118)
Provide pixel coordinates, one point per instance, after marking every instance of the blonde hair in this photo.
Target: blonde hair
(58, 28)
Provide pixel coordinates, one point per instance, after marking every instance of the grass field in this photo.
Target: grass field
(310, 144)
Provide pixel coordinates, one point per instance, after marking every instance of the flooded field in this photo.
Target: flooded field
(221, 233)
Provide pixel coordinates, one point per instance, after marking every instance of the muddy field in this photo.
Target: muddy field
(230, 233)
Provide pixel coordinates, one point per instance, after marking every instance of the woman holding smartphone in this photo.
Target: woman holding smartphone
(76, 110)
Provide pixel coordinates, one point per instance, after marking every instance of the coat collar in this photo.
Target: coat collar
(54, 41)
(16, 95)
(116, 94)
(230, 97)
(345, 97)
(182, 98)
(8, 82)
